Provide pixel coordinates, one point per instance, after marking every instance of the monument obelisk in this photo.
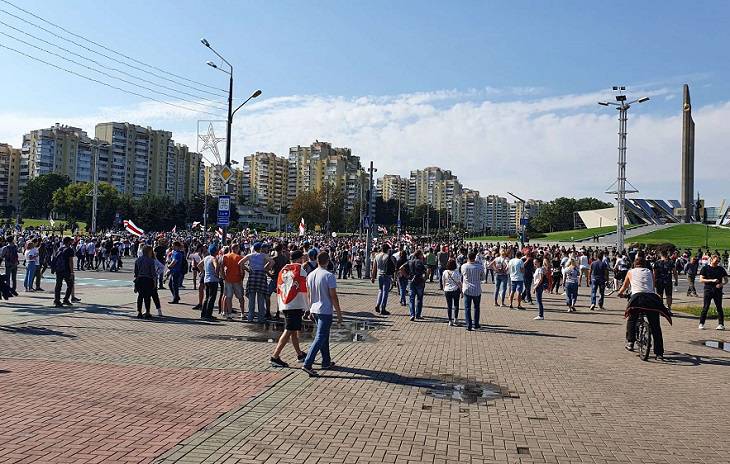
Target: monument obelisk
(688, 157)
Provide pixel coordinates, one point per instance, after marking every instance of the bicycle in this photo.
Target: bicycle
(643, 336)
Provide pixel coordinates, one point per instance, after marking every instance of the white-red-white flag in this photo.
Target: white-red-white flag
(383, 230)
(132, 228)
(196, 224)
(174, 229)
(302, 227)
(407, 237)
(219, 233)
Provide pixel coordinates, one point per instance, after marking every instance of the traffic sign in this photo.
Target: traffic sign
(224, 210)
(225, 173)
(524, 221)
(366, 222)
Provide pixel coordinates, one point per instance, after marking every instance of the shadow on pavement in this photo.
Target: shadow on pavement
(507, 331)
(687, 359)
(586, 322)
(380, 376)
(31, 330)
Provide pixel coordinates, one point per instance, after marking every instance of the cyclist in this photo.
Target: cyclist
(643, 299)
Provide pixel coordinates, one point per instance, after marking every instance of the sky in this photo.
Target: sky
(503, 94)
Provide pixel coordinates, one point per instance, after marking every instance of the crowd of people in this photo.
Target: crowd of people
(302, 273)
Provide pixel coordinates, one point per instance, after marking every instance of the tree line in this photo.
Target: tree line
(54, 193)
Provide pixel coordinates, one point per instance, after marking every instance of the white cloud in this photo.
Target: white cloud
(494, 140)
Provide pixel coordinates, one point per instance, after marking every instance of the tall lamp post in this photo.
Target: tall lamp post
(231, 111)
(623, 108)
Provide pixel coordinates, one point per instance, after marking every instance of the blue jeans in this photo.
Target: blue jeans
(452, 303)
(468, 300)
(176, 279)
(321, 341)
(29, 275)
(538, 297)
(527, 293)
(416, 291)
(403, 289)
(383, 290)
(598, 287)
(571, 293)
(261, 298)
(502, 281)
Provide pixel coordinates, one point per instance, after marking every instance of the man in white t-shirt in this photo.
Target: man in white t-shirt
(322, 291)
(584, 268)
(517, 276)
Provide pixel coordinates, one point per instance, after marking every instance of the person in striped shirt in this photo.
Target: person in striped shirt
(473, 275)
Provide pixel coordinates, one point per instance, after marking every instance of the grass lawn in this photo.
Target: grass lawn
(688, 236)
(579, 234)
(44, 222)
(695, 310)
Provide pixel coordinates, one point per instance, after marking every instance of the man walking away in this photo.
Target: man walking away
(291, 293)
(473, 274)
(500, 266)
(599, 275)
(714, 277)
(62, 265)
(443, 259)
(417, 284)
(382, 265)
(517, 276)
(322, 291)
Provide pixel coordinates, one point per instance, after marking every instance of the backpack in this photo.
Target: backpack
(390, 266)
(57, 262)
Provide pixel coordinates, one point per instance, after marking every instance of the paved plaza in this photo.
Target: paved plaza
(94, 384)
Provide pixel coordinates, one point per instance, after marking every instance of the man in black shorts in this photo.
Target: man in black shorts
(714, 277)
(291, 289)
(664, 273)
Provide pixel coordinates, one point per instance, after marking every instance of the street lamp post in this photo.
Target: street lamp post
(369, 229)
(231, 111)
(623, 107)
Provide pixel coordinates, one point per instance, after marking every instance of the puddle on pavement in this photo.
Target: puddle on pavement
(719, 345)
(462, 390)
(349, 332)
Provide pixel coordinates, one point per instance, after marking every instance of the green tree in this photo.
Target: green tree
(37, 197)
(307, 205)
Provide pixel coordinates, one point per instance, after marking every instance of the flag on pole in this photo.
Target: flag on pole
(302, 227)
(196, 224)
(219, 233)
(52, 222)
(174, 229)
(383, 230)
(132, 228)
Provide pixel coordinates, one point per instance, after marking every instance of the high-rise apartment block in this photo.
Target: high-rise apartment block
(320, 166)
(473, 211)
(393, 187)
(498, 215)
(145, 160)
(9, 177)
(265, 180)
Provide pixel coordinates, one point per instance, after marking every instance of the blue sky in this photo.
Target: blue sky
(387, 77)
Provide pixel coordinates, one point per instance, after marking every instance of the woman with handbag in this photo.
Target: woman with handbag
(451, 281)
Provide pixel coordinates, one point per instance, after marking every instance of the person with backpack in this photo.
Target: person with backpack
(383, 267)
(10, 256)
(417, 284)
(451, 281)
(62, 265)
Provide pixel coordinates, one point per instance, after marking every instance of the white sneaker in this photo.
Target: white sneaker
(538, 318)
(720, 327)
(592, 307)
(701, 327)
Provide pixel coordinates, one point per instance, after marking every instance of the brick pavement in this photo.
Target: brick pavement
(566, 389)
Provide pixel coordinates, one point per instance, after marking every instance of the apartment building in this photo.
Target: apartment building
(9, 177)
(265, 180)
(393, 187)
